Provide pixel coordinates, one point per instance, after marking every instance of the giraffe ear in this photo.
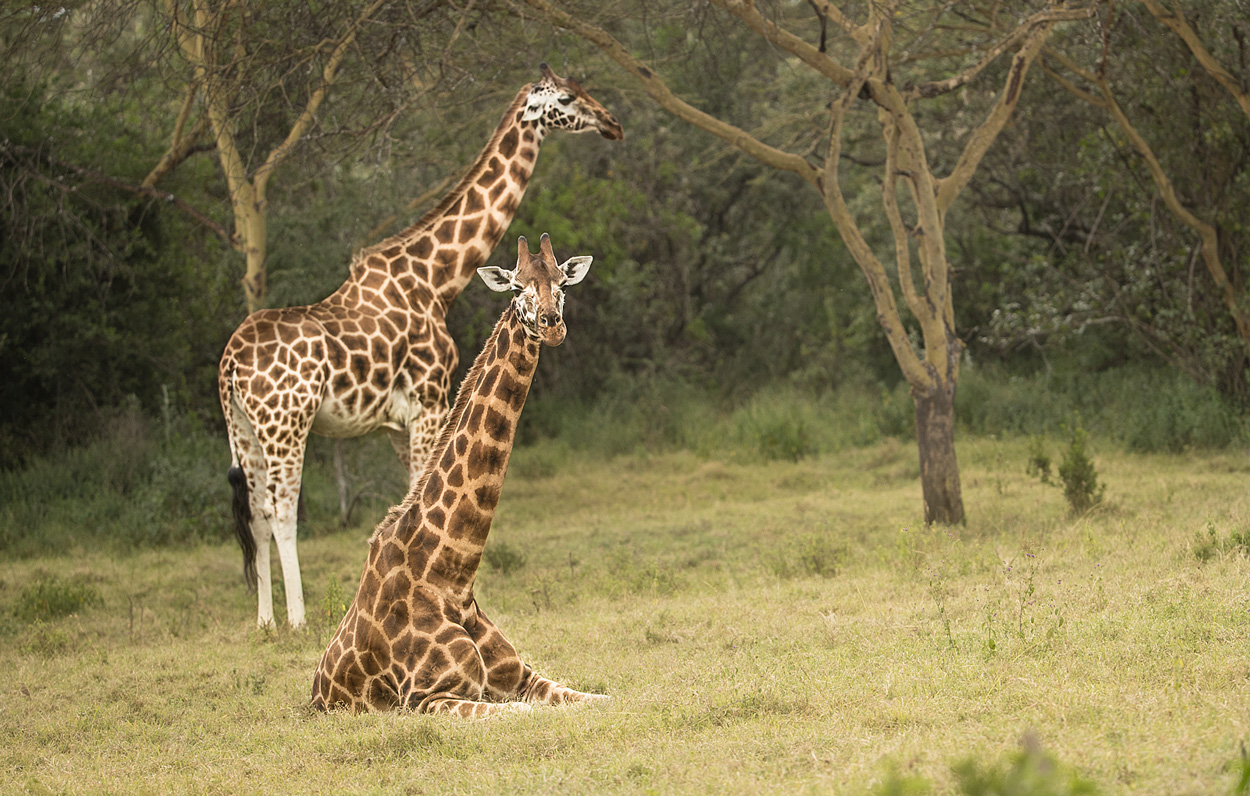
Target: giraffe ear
(576, 268)
(496, 278)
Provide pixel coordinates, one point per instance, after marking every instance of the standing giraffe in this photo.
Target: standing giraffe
(376, 353)
(414, 637)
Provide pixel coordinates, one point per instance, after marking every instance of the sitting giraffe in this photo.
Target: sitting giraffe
(376, 353)
(414, 637)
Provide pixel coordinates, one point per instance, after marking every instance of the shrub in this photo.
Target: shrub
(1080, 479)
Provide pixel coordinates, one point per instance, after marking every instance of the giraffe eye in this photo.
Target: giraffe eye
(565, 100)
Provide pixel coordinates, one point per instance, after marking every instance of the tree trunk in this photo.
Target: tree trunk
(935, 436)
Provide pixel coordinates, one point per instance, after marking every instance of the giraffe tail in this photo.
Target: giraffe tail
(243, 523)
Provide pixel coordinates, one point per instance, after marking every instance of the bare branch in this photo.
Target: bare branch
(979, 143)
(789, 42)
(660, 92)
(936, 87)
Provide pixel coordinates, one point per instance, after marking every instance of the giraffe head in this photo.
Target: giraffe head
(539, 284)
(560, 104)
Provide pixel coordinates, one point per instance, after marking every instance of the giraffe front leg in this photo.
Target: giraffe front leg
(507, 677)
(536, 688)
(424, 433)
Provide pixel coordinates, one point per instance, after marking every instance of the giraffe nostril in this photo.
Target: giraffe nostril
(549, 319)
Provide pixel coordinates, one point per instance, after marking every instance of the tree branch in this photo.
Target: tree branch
(90, 175)
(305, 119)
(1175, 20)
(936, 87)
(979, 143)
(660, 92)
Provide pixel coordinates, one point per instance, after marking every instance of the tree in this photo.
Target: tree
(878, 63)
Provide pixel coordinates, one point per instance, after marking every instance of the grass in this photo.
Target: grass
(762, 625)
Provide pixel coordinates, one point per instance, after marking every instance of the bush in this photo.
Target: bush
(1080, 479)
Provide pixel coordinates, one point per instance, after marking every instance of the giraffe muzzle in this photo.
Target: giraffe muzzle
(551, 328)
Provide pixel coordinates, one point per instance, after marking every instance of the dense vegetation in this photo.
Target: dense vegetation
(715, 275)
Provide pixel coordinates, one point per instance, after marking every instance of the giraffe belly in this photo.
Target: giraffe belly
(335, 418)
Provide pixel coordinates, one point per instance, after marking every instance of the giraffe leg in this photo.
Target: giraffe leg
(284, 488)
(422, 435)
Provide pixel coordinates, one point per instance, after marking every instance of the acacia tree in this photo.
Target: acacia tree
(871, 65)
(1091, 84)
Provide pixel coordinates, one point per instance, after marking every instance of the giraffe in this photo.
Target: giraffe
(414, 637)
(376, 353)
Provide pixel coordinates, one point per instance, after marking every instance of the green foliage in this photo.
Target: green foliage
(138, 483)
(1078, 474)
(52, 597)
(105, 296)
(1149, 410)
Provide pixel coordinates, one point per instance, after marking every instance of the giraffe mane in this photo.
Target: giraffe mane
(475, 170)
(448, 430)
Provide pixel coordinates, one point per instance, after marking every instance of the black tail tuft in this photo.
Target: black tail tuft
(243, 524)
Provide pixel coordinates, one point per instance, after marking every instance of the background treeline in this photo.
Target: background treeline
(720, 293)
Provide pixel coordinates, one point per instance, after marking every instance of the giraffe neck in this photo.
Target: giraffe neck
(451, 508)
(450, 242)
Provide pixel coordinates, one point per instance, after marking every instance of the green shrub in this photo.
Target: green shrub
(1077, 472)
(1209, 545)
(1028, 773)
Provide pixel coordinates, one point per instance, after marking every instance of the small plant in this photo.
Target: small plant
(503, 557)
(1080, 479)
(52, 597)
(324, 619)
(1209, 545)
(1039, 461)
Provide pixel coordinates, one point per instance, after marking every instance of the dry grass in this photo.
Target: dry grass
(778, 627)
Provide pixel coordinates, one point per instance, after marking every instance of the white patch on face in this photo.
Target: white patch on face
(526, 303)
(557, 108)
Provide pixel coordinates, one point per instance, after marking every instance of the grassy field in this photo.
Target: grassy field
(761, 626)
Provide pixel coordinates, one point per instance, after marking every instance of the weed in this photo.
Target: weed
(1080, 479)
(325, 618)
(52, 597)
(503, 557)
(1039, 461)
